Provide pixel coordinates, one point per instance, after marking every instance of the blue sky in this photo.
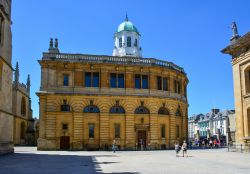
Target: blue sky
(188, 33)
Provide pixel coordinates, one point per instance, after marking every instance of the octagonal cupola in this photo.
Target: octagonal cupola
(127, 40)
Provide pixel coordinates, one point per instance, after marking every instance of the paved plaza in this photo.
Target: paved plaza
(27, 160)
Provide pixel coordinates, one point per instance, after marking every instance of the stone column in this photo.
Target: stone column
(77, 130)
(154, 131)
(104, 129)
(130, 131)
(172, 131)
(42, 122)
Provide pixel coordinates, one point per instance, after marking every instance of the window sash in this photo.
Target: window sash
(120, 42)
(163, 131)
(95, 79)
(159, 83)
(120, 81)
(65, 80)
(91, 131)
(137, 81)
(145, 81)
(87, 79)
(128, 41)
(117, 131)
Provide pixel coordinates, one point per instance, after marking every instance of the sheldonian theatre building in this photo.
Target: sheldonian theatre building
(88, 101)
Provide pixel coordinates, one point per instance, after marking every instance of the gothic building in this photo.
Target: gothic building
(23, 132)
(239, 49)
(87, 101)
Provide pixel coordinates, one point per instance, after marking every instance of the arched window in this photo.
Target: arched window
(178, 111)
(163, 111)
(23, 106)
(247, 80)
(117, 109)
(22, 131)
(142, 109)
(65, 107)
(129, 41)
(120, 42)
(91, 109)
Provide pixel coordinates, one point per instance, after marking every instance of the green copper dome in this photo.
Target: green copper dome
(127, 26)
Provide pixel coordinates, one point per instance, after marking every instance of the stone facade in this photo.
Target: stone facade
(239, 49)
(6, 116)
(88, 101)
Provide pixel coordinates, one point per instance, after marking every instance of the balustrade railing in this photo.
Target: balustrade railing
(112, 59)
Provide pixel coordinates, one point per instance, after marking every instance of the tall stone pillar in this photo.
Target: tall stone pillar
(77, 130)
(154, 131)
(130, 131)
(41, 142)
(104, 129)
(172, 132)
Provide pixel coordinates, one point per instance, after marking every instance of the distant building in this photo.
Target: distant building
(24, 133)
(214, 124)
(239, 49)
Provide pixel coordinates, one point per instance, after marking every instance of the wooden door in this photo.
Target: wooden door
(64, 143)
(142, 139)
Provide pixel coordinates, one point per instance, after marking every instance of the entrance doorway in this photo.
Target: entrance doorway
(142, 139)
(64, 143)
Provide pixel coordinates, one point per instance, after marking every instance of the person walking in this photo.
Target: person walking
(184, 148)
(211, 143)
(177, 148)
(114, 146)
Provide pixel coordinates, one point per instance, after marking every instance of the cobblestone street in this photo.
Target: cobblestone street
(27, 160)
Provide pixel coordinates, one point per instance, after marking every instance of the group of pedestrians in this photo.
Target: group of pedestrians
(212, 143)
(178, 148)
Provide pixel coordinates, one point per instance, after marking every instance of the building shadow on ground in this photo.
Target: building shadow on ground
(20, 163)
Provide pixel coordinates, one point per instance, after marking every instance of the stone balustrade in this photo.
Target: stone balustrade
(112, 59)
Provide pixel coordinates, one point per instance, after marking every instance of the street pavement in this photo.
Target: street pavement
(27, 160)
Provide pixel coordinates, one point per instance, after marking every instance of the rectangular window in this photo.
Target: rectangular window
(65, 80)
(163, 131)
(65, 126)
(116, 80)
(165, 84)
(117, 131)
(159, 83)
(177, 131)
(144, 81)
(91, 130)
(121, 81)
(113, 80)
(185, 90)
(87, 79)
(128, 41)
(179, 87)
(138, 81)
(92, 79)
(95, 79)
